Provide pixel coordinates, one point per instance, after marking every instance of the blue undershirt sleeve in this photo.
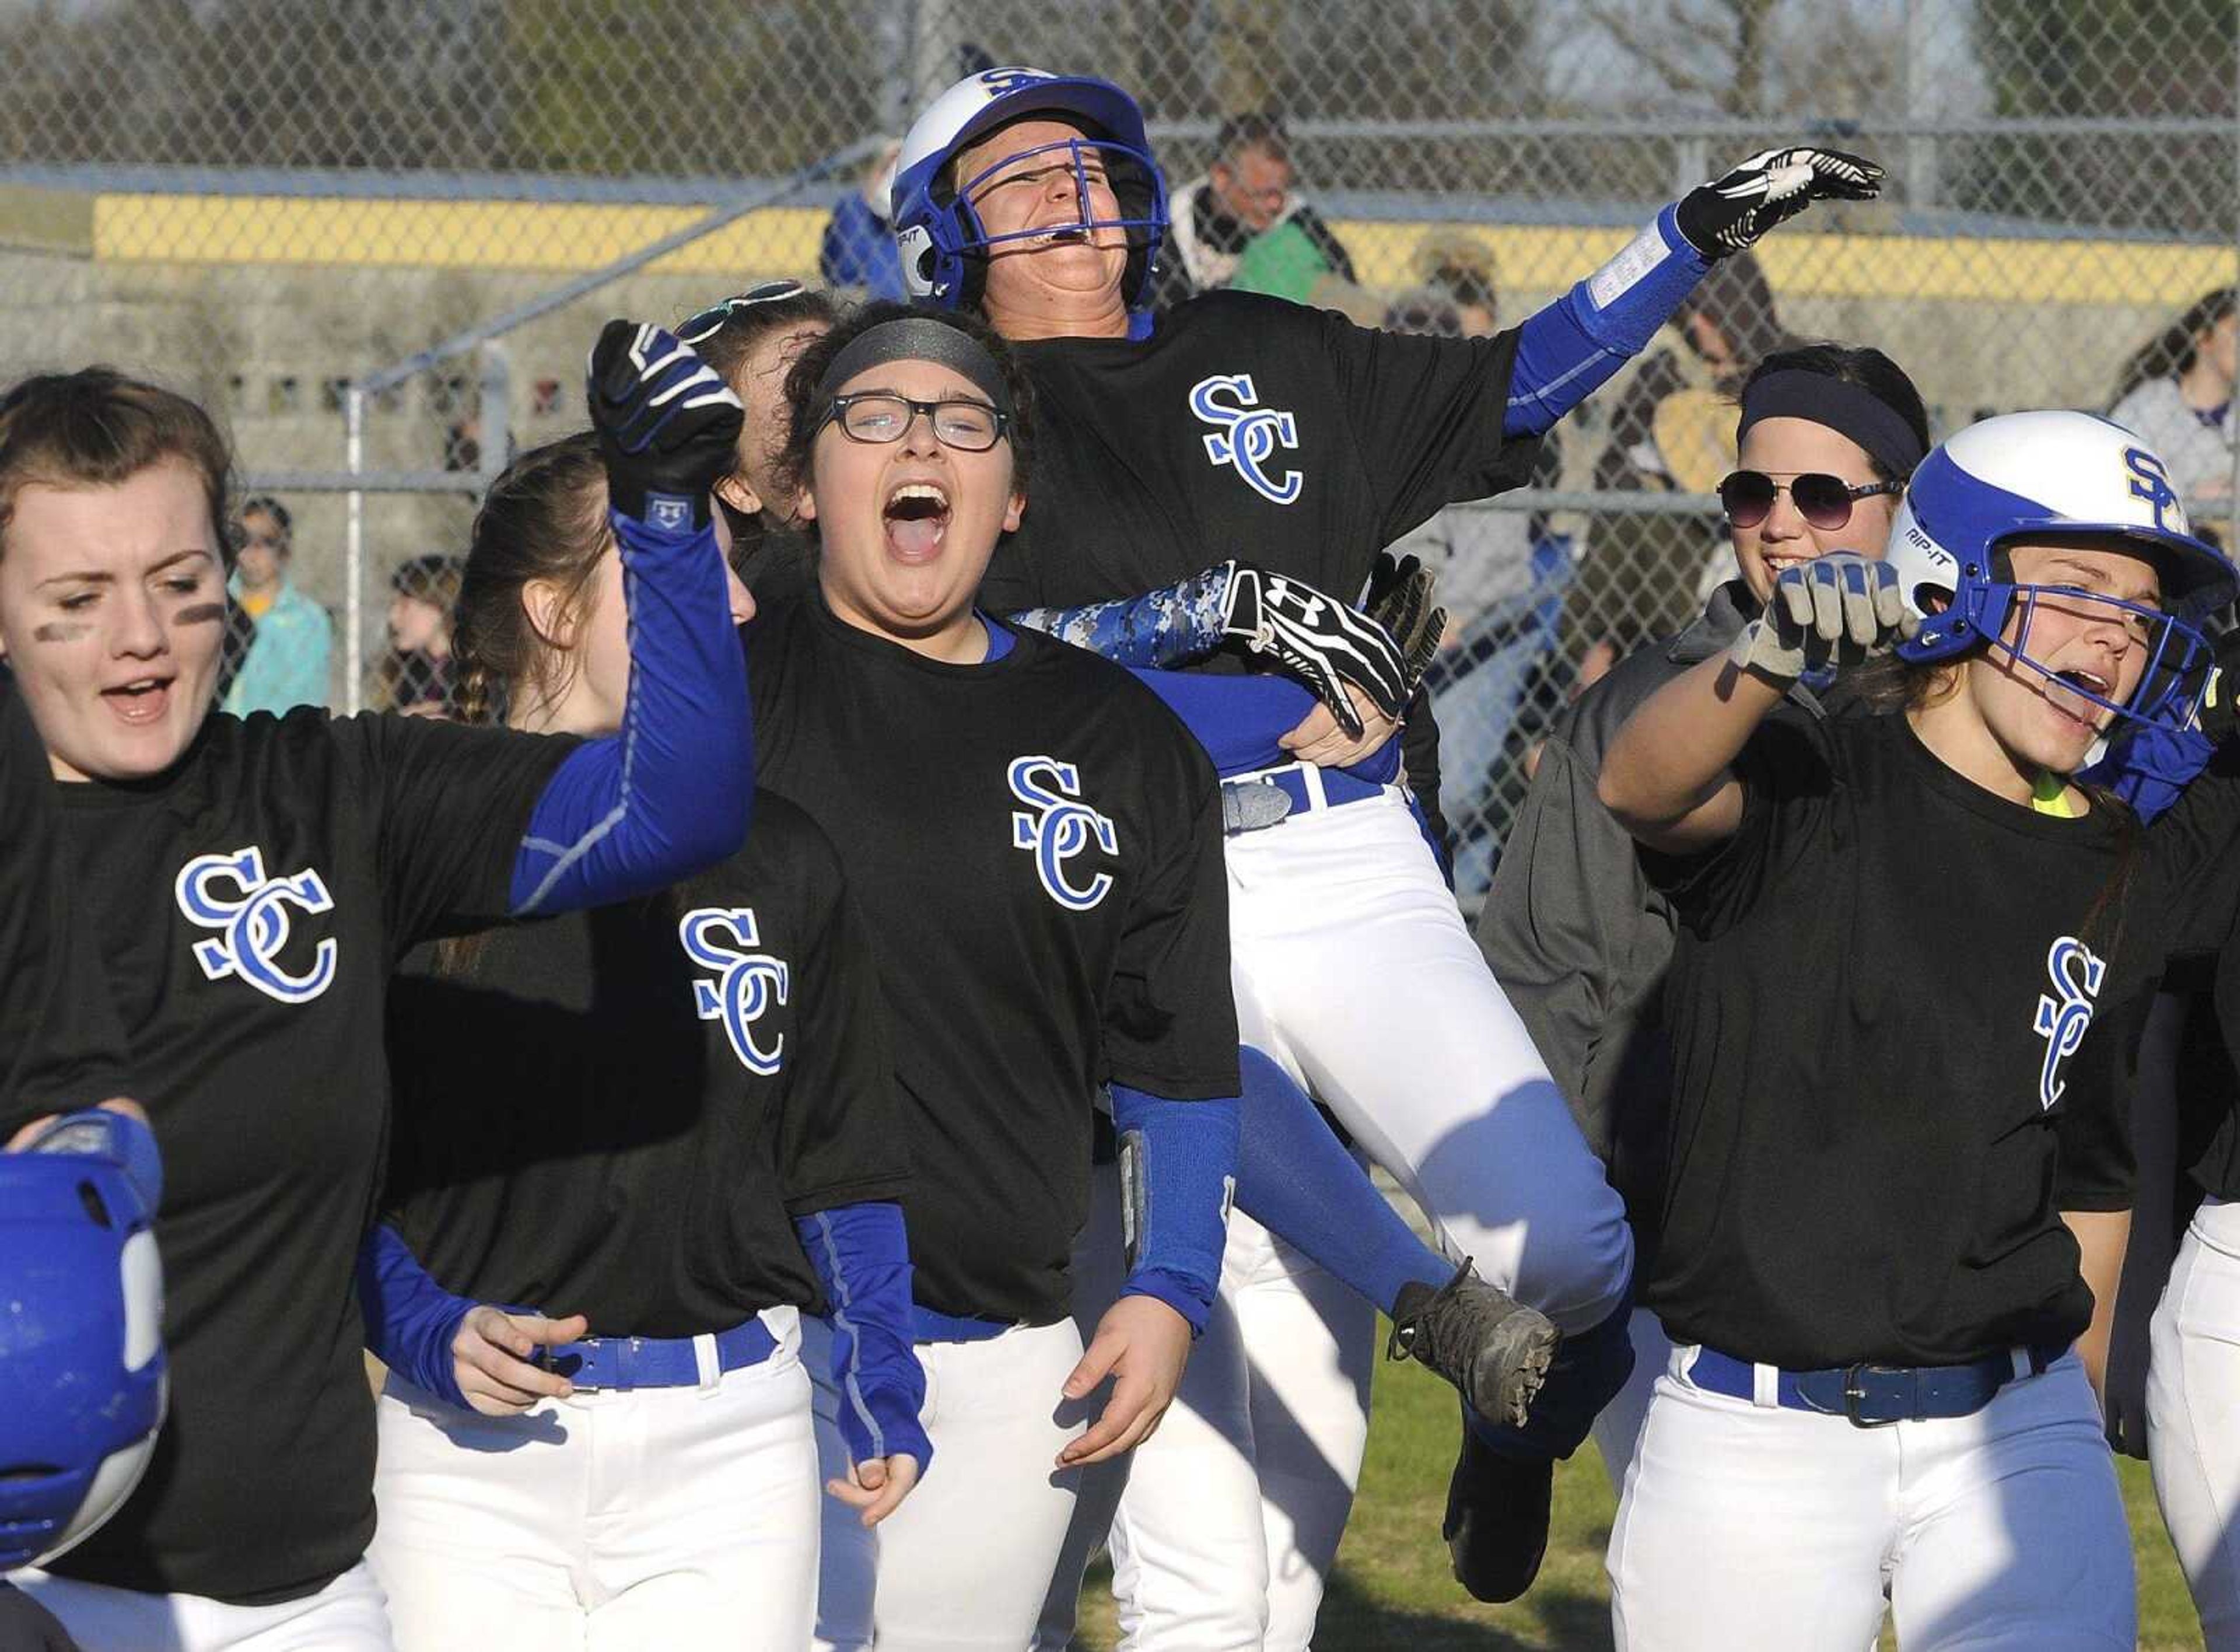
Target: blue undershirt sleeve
(861, 1253)
(1569, 349)
(1171, 626)
(1177, 1180)
(636, 811)
(409, 1319)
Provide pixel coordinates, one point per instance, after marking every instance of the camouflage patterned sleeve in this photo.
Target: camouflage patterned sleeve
(1167, 627)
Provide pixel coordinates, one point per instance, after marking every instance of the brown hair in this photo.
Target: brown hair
(726, 349)
(96, 428)
(810, 368)
(544, 518)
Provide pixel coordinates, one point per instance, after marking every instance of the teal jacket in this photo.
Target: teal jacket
(287, 664)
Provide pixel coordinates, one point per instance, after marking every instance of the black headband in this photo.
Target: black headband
(1795, 393)
(916, 338)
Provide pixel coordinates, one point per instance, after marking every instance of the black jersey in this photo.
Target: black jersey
(614, 1113)
(1901, 1011)
(1037, 844)
(62, 1046)
(249, 906)
(1246, 426)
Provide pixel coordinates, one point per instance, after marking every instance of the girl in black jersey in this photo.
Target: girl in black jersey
(1899, 1180)
(249, 884)
(670, 1120)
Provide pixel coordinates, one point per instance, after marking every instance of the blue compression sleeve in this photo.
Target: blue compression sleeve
(2151, 766)
(1569, 349)
(1294, 1179)
(1242, 720)
(861, 1252)
(124, 1141)
(1171, 626)
(409, 1319)
(1175, 1196)
(636, 811)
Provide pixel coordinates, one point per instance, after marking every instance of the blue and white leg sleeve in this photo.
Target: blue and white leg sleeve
(409, 1319)
(1570, 348)
(635, 811)
(1177, 1182)
(861, 1252)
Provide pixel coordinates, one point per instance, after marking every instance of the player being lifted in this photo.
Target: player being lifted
(1289, 437)
(1899, 1193)
(248, 884)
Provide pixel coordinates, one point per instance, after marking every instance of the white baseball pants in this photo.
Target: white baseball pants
(1750, 1527)
(608, 1521)
(964, 1564)
(345, 1617)
(1617, 1430)
(2193, 1416)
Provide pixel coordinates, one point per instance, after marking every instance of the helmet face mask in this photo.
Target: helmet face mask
(945, 245)
(2054, 477)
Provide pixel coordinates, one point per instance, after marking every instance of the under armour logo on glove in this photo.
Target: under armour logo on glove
(1318, 639)
(230, 894)
(668, 426)
(1730, 213)
(1836, 610)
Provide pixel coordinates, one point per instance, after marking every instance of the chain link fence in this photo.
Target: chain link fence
(376, 237)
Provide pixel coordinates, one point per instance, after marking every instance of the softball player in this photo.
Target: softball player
(1074, 938)
(248, 884)
(1896, 1201)
(1306, 443)
(672, 1122)
(1575, 933)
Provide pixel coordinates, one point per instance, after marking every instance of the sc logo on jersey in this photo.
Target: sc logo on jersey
(747, 982)
(2064, 1013)
(1059, 827)
(230, 894)
(1249, 434)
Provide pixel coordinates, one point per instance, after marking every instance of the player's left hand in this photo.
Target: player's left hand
(1730, 213)
(1321, 740)
(668, 426)
(1141, 1344)
(491, 1355)
(1315, 638)
(876, 1486)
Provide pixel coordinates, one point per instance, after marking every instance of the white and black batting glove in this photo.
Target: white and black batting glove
(1400, 595)
(1835, 611)
(1318, 639)
(668, 425)
(1730, 213)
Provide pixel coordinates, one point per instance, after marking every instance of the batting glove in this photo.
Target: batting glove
(1400, 600)
(1318, 639)
(668, 426)
(1730, 213)
(1834, 611)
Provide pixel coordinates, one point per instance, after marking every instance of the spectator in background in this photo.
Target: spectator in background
(2176, 391)
(1501, 577)
(1672, 431)
(1459, 266)
(1244, 224)
(286, 665)
(415, 674)
(859, 248)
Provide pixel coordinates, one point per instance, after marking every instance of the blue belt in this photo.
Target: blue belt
(1247, 804)
(599, 1363)
(928, 1325)
(1873, 1396)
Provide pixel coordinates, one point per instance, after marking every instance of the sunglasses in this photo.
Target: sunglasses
(881, 416)
(1824, 501)
(710, 320)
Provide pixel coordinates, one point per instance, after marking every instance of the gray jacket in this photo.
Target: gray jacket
(1573, 931)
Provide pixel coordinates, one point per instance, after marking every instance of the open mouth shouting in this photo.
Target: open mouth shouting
(140, 702)
(2061, 693)
(916, 517)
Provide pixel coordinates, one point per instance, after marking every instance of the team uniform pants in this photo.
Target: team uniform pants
(1354, 970)
(1753, 1528)
(2193, 1414)
(1617, 1430)
(607, 1521)
(963, 1564)
(345, 1616)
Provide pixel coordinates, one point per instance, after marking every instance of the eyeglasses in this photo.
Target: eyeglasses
(1824, 501)
(710, 320)
(881, 416)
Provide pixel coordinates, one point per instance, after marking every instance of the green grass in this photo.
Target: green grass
(1392, 1589)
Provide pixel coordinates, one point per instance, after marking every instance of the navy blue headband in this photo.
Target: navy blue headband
(1794, 393)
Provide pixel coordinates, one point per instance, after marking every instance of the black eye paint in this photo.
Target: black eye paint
(200, 614)
(60, 631)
